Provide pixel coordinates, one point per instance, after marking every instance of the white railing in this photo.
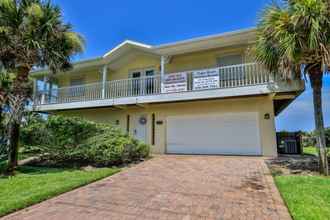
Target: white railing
(133, 87)
(96, 91)
(229, 77)
(243, 75)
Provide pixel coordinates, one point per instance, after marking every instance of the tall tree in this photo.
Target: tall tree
(5, 82)
(293, 39)
(32, 35)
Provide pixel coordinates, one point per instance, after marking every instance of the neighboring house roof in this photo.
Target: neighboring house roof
(234, 38)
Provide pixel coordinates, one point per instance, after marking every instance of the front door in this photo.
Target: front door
(140, 128)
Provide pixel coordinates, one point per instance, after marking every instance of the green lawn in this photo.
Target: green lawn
(310, 151)
(32, 185)
(308, 197)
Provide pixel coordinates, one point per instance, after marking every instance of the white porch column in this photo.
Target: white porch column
(35, 88)
(104, 79)
(43, 96)
(162, 71)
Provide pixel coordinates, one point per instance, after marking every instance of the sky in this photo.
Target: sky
(106, 23)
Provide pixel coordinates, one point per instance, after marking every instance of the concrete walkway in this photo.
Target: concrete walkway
(172, 187)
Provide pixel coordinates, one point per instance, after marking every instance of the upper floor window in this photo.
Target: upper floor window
(142, 73)
(77, 90)
(77, 82)
(144, 85)
(230, 60)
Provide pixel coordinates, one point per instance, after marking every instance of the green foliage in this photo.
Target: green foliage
(309, 138)
(33, 33)
(294, 33)
(69, 131)
(75, 141)
(34, 131)
(112, 147)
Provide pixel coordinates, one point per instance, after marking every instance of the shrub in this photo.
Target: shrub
(112, 148)
(34, 133)
(69, 131)
(75, 141)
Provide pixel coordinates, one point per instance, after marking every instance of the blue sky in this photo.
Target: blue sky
(104, 24)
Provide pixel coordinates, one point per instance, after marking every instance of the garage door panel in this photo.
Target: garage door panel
(236, 134)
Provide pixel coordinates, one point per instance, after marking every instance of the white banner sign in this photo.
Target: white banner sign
(206, 79)
(176, 82)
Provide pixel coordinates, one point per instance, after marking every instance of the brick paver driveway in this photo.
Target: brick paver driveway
(172, 187)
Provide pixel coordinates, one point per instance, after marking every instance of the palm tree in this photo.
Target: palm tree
(5, 81)
(293, 39)
(32, 35)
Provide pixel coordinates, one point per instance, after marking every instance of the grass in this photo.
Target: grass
(307, 197)
(310, 151)
(32, 185)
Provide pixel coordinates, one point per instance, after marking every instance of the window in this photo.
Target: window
(230, 60)
(76, 91)
(77, 82)
(150, 84)
(150, 72)
(145, 85)
(225, 74)
(136, 82)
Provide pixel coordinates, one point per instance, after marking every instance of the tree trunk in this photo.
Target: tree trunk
(1, 121)
(316, 77)
(21, 92)
(14, 129)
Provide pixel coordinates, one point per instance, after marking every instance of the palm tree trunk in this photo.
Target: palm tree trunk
(1, 120)
(21, 91)
(316, 77)
(14, 129)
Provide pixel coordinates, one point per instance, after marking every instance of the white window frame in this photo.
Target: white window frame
(142, 71)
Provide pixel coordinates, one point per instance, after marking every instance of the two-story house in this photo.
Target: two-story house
(198, 96)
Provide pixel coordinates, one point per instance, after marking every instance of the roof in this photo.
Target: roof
(239, 37)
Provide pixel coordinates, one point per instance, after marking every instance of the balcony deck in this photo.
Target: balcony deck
(230, 81)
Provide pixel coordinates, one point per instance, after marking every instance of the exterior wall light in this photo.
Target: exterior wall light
(267, 116)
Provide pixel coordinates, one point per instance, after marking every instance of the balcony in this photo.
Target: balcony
(228, 81)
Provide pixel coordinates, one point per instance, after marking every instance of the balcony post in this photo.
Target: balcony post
(162, 71)
(35, 88)
(104, 79)
(43, 96)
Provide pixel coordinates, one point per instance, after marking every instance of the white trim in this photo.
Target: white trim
(127, 42)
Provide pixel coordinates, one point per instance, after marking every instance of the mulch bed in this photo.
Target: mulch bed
(294, 165)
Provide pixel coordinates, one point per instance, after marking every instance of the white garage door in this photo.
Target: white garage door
(232, 134)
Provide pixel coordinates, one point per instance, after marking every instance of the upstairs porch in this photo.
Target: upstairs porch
(245, 79)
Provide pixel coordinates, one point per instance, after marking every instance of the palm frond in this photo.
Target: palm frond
(297, 34)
